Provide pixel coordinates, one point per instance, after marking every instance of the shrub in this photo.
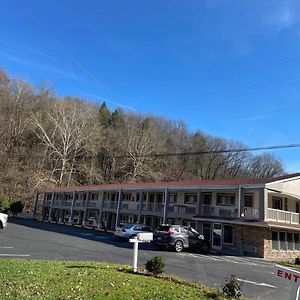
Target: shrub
(297, 261)
(16, 207)
(4, 204)
(155, 265)
(232, 288)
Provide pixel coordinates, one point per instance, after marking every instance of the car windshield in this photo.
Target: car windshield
(128, 226)
(194, 231)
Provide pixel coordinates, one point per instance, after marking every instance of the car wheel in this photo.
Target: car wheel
(178, 246)
(204, 248)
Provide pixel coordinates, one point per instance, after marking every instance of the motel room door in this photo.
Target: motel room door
(217, 236)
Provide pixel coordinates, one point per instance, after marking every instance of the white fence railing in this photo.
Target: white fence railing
(282, 216)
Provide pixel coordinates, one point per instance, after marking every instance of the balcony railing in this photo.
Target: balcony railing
(218, 211)
(182, 209)
(282, 216)
(250, 213)
(153, 207)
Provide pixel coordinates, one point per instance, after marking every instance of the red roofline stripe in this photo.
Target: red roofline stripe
(197, 182)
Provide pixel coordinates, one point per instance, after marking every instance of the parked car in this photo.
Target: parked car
(3, 220)
(178, 237)
(129, 231)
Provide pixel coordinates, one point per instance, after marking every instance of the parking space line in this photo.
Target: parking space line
(208, 256)
(236, 260)
(6, 247)
(257, 283)
(21, 255)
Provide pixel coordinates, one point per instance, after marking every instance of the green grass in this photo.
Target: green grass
(33, 279)
(288, 263)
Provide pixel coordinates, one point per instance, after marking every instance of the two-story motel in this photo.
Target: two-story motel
(258, 217)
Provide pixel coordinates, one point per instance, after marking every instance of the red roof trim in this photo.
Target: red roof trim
(217, 182)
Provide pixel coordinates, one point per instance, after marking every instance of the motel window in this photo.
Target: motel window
(127, 197)
(190, 198)
(248, 200)
(285, 241)
(160, 197)
(173, 198)
(282, 240)
(48, 196)
(277, 203)
(206, 230)
(228, 234)
(207, 199)
(289, 239)
(275, 240)
(189, 223)
(226, 199)
(297, 207)
(151, 197)
(296, 241)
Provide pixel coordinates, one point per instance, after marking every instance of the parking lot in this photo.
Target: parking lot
(29, 239)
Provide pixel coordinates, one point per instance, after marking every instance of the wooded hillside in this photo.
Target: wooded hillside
(48, 140)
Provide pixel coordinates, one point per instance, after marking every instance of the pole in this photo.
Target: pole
(135, 254)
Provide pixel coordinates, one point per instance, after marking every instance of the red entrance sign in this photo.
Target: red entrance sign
(288, 276)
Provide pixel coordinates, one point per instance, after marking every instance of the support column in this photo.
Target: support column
(262, 204)
(35, 203)
(72, 208)
(43, 207)
(100, 208)
(199, 203)
(60, 219)
(239, 202)
(140, 206)
(85, 208)
(51, 207)
(166, 204)
(118, 208)
(242, 202)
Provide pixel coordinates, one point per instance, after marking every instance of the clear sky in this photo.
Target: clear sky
(229, 68)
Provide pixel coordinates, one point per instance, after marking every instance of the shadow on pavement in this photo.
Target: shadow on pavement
(83, 233)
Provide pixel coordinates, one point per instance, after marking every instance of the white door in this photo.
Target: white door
(217, 236)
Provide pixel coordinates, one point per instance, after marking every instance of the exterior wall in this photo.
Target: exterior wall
(290, 186)
(251, 240)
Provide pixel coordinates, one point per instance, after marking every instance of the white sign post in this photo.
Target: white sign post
(292, 277)
(140, 238)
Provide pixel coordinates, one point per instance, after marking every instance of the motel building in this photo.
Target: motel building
(257, 217)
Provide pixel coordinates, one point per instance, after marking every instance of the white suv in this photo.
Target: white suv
(3, 220)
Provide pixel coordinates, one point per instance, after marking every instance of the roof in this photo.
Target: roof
(189, 183)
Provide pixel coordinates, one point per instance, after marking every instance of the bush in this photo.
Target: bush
(297, 261)
(232, 288)
(4, 204)
(155, 265)
(16, 207)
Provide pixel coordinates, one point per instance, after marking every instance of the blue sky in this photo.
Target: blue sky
(229, 68)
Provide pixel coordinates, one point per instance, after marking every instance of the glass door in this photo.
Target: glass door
(217, 236)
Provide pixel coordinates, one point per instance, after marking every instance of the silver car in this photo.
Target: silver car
(129, 231)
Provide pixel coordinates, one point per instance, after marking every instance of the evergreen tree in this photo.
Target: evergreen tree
(117, 118)
(104, 115)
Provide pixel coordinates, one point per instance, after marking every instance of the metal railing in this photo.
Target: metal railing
(251, 212)
(279, 215)
(218, 211)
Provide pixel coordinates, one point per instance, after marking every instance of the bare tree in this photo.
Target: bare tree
(69, 128)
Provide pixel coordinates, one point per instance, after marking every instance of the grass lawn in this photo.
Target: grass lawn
(33, 279)
(288, 263)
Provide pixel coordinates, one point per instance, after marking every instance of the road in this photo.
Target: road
(36, 240)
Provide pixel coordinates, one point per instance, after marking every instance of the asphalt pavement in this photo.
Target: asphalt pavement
(30, 239)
